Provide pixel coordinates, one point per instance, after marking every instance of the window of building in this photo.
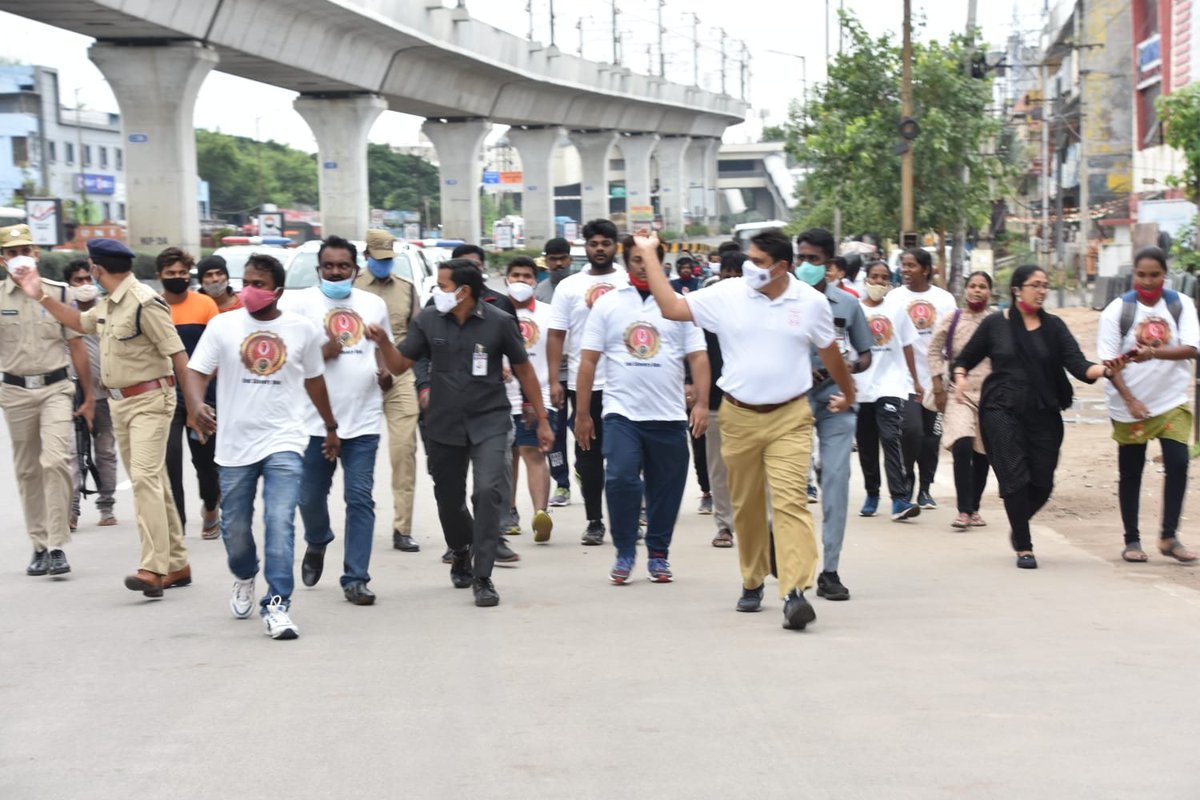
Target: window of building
(103, 153)
(69, 150)
(1149, 130)
(52, 151)
(107, 211)
(120, 158)
(20, 151)
(85, 155)
(121, 208)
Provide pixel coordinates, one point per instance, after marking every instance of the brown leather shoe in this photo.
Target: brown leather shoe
(146, 582)
(180, 577)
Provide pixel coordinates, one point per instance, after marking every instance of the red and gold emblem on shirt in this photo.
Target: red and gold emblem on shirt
(529, 331)
(264, 353)
(642, 340)
(1153, 332)
(923, 314)
(595, 292)
(881, 329)
(345, 326)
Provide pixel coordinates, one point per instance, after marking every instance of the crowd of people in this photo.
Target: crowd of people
(784, 357)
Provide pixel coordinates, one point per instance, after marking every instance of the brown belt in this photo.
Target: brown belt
(765, 408)
(142, 388)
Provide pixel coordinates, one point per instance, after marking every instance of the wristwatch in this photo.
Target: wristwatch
(331, 428)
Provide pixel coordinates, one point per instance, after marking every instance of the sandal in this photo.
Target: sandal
(961, 522)
(1134, 553)
(977, 521)
(724, 538)
(1175, 549)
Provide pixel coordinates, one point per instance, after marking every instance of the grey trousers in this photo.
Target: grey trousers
(718, 475)
(491, 497)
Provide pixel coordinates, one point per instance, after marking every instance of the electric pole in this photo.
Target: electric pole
(695, 49)
(552, 23)
(662, 53)
(722, 61)
(579, 28)
(1045, 168)
(616, 36)
(906, 109)
(745, 65)
(960, 234)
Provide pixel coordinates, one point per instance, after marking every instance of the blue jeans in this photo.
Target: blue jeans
(835, 440)
(658, 450)
(358, 463)
(280, 473)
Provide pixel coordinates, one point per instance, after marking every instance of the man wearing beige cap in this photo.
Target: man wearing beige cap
(399, 392)
(36, 395)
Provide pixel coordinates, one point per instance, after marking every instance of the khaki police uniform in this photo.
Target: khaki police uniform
(137, 340)
(36, 395)
(400, 407)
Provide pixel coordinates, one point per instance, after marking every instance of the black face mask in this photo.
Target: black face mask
(175, 285)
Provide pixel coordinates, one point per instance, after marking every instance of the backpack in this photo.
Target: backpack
(1129, 308)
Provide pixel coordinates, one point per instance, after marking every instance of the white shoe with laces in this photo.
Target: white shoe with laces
(241, 602)
(279, 624)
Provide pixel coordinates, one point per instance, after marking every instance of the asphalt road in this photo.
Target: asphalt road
(950, 674)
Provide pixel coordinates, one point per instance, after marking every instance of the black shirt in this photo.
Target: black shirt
(500, 301)
(465, 408)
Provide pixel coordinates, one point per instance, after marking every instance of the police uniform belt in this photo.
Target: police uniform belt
(36, 381)
(142, 388)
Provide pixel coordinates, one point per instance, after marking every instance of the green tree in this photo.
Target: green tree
(402, 182)
(243, 173)
(1180, 115)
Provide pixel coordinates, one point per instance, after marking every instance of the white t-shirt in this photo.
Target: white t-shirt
(573, 299)
(533, 323)
(924, 309)
(888, 375)
(764, 343)
(261, 399)
(1160, 385)
(643, 356)
(354, 394)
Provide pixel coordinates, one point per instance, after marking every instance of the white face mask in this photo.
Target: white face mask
(84, 293)
(19, 265)
(877, 291)
(756, 276)
(215, 290)
(444, 301)
(521, 292)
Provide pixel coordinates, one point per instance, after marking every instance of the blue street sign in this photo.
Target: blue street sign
(138, 138)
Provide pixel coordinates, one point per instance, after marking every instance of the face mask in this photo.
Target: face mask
(336, 290)
(215, 290)
(977, 305)
(256, 299)
(1149, 296)
(756, 276)
(556, 275)
(812, 274)
(877, 291)
(85, 293)
(1026, 308)
(379, 268)
(521, 292)
(19, 265)
(639, 283)
(444, 301)
(175, 285)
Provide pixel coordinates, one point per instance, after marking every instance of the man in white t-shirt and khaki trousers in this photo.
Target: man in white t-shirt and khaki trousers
(766, 322)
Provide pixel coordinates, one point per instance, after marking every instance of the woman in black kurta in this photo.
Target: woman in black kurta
(1021, 404)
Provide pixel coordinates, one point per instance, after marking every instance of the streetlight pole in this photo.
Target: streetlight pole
(906, 108)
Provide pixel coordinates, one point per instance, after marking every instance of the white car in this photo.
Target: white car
(302, 267)
(409, 263)
(236, 255)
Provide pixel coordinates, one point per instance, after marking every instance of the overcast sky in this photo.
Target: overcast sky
(238, 106)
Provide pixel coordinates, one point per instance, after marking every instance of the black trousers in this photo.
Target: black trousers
(922, 438)
(590, 463)
(1023, 447)
(490, 461)
(970, 474)
(203, 456)
(1131, 460)
(880, 426)
(560, 471)
(700, 461)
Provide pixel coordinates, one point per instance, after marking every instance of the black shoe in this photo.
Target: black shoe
(829, 586)
(460, 568)
(313, 565)
(58, 563)
(402, 541)
(594, 534)
(485, 593)
(797, 612)
(1026, 561)
(505, 554)
(359, 594)
(751, 599)
(40, 563)
(448, 556)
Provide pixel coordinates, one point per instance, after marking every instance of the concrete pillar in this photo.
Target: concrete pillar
(695, 169)
(341, 125)
(536, 147)
(672, 185)
(637, 150)
(459, 146)
(594, 148)
(156, 88)
(712, 149)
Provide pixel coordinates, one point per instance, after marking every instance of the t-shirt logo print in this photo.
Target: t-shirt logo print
(881, 329)
(1153, 332)
(642, 340)
(264, 353)
(923, 314)
(596, 291)
(344, 325)
(529, 332)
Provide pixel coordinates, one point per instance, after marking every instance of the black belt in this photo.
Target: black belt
(36, 381)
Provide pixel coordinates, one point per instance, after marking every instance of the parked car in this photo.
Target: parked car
(409, 262)
(302, 267)
(237, 249)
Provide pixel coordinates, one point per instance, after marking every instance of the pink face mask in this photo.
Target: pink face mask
(255, 299)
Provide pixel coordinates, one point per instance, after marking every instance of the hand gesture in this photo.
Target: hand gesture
(839, 403)
(27, 278)
(384, 379)
(331, 349)
(376, 334)
(646, 241)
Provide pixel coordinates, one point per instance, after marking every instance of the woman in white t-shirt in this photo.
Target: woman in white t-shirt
(1157, 332)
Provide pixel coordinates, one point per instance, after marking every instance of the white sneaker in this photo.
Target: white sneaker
(241, 602)
(279, 624)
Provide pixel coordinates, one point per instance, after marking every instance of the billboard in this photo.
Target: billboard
(44, 216)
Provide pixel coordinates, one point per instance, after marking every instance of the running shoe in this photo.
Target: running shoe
(241, 602)
(870, 506)
(621, 570)
(705, 504)
(542, 524)
(660, 570)
(278, 624)
(902, 510)
(925, 500)
(561, 497)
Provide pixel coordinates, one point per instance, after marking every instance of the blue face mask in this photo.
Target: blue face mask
(336, 290)
(380, 268)
(812, 274)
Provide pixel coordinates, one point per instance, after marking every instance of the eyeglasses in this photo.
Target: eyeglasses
(1037, 287)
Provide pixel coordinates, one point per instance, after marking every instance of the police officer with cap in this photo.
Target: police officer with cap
(141, 357)
(36, 395)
